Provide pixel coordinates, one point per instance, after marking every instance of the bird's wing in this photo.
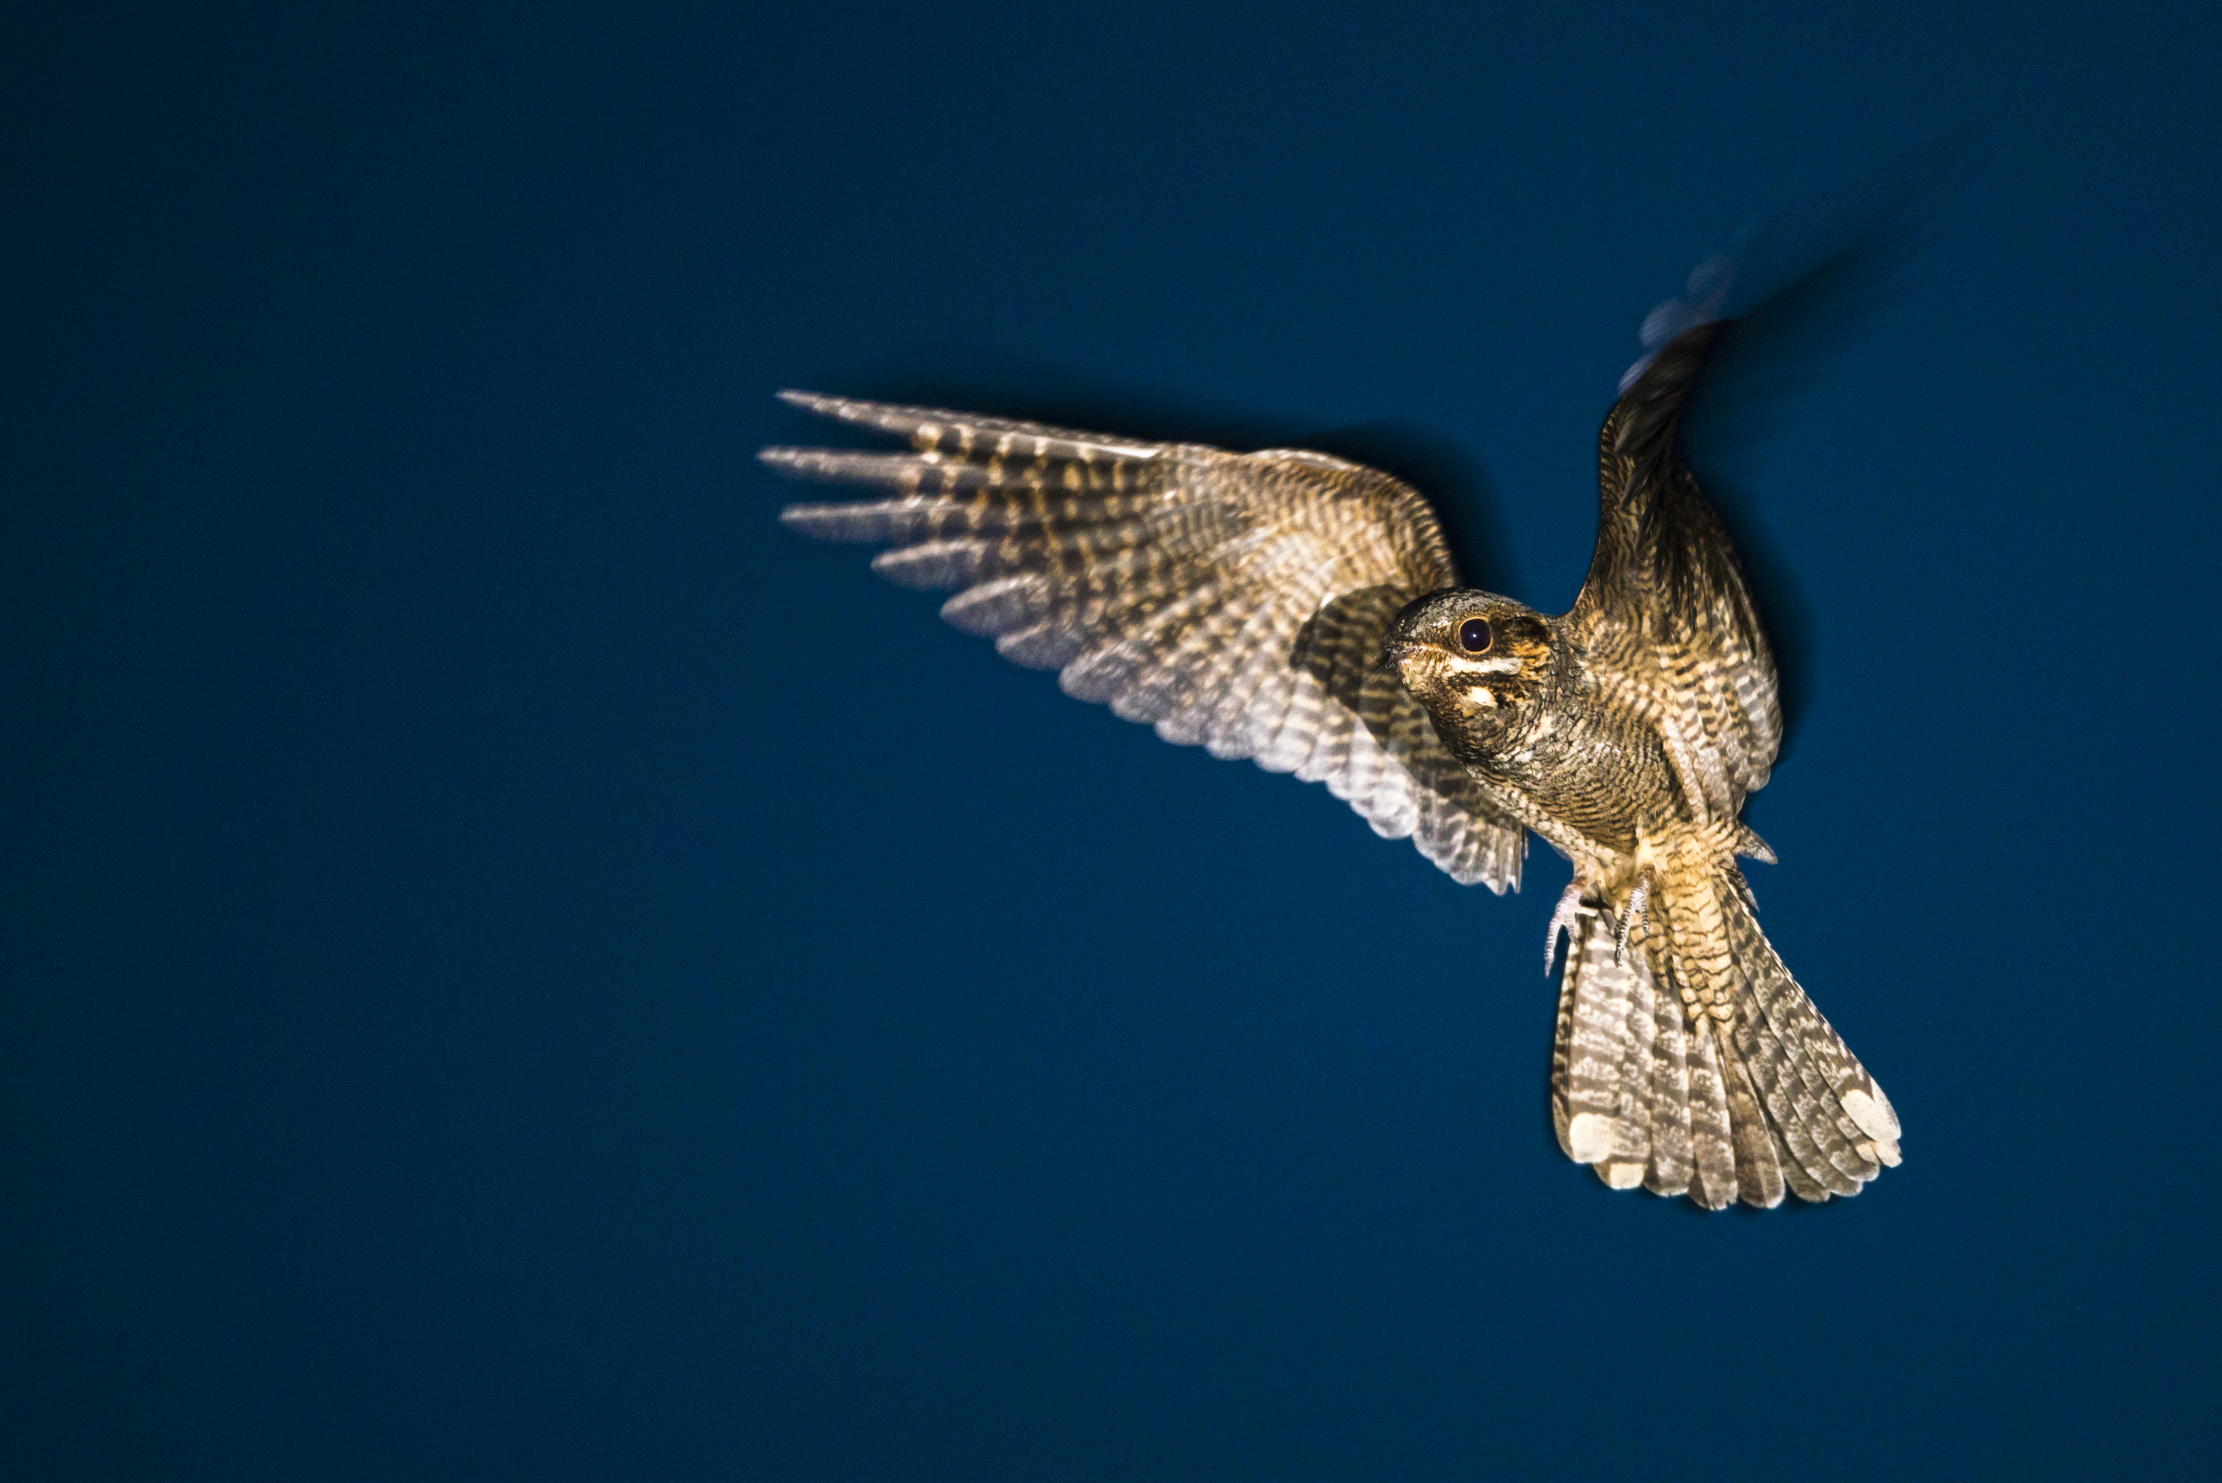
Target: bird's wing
(1237, 601)
(1665, 616)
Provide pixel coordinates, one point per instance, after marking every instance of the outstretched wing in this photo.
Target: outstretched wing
(1236, 601)
(1665, 615)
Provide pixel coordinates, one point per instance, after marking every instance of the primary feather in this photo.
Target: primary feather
(1233, 601)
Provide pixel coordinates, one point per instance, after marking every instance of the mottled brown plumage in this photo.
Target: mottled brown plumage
(1303, 612)
(1235, 601)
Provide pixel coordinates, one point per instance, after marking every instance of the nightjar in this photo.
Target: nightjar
(1304, 612)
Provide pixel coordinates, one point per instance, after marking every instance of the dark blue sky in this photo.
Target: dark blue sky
(521, 968)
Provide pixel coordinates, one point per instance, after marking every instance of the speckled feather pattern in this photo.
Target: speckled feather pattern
(1303, 612)
(1235, 602)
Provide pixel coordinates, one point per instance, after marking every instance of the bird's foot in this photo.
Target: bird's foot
(1639, 903)
(1562, 921)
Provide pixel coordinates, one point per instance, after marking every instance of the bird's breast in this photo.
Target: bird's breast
(1595, 782)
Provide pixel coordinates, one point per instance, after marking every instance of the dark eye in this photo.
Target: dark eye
(1475, 635)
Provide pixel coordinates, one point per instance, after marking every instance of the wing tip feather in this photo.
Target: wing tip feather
(832, 521)
(820, 403)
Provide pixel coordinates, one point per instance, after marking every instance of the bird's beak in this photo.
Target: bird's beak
(1396, 651)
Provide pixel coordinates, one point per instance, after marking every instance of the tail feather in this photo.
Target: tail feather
(1815, 1113)
(1631, 1156)
(1795, 1113)
(1694, 1064)
(1711, 1123)
(1629, 1095)
(1673, 1163)
(1759, 1178)
(1599, 1080)
(1857, 1109)
(1804, 1167)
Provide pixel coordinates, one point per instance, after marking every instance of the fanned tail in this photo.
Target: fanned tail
(1692, 1063)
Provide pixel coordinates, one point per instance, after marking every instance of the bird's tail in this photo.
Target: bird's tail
(1692, 1063)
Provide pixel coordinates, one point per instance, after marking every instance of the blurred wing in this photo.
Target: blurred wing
(1665, 615)
(1236, 601)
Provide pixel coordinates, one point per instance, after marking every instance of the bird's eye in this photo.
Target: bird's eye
(1474, 634)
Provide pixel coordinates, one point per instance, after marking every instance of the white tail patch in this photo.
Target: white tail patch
(1874, 1116)
(1591, 1138)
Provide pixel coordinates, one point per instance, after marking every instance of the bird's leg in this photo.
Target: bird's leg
(1639, 902)
(1562, 920)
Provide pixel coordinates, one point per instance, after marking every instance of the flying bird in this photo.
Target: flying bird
(1304, 612)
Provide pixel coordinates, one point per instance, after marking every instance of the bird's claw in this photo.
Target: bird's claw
(1562, 923)
(1569, 907)
(1639, 902)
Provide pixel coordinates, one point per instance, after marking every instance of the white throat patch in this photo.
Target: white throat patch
(1498, 664)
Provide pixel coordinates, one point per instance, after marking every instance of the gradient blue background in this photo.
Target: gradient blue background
(519, 968)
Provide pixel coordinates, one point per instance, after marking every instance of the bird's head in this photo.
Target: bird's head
(1474, 659)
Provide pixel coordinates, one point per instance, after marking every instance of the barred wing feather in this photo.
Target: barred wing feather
(1665, 617)
(1233, 601)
